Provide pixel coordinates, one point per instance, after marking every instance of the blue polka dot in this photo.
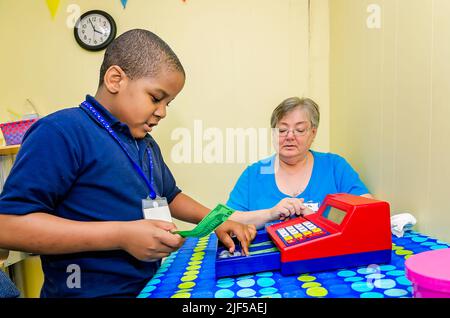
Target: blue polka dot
(395, 292)
(202, 294)
(265, 274)
(154, 282)
(326, 275)
(441, 242)
(246, 292)
(289, 287)
(428, 244)
(157, 276)
(367, 270)
(331, 282)
(419, 239)
(245, 277)
(387, 267)
(246, 283)
(272, 296)
(265, 282)
(385, 283)
(439, 247)
(375, 276)
(225, 284)
(402, 241)
(227, 279)
(143, 295)
(362, 287)
(268, 291)
(224, 293)
(354, 279)
(298, 293)
(149, 289)
(346, 273)
(410, 289)
(372, 295)
(340, 289)
(402, 280)
(396, 273)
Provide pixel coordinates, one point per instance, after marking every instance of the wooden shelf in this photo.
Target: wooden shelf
(9, 150)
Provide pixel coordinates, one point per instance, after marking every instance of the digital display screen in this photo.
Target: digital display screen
(334, 215)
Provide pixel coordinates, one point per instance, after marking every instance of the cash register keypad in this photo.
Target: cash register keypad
(300, 233)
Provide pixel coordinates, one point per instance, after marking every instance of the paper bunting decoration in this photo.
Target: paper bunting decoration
(53, 7)
(124, 3)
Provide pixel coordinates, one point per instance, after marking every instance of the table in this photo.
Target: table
(190, 273)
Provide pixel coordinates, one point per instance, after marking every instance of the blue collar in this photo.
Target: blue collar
(112, 121)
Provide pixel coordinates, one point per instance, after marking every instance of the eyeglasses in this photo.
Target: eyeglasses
(283, 132)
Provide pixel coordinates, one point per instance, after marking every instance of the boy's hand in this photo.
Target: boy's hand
(149, 240)
(245, 234)
(287, 207)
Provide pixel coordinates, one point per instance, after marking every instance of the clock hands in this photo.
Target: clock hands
(93, 27)
(95, 30)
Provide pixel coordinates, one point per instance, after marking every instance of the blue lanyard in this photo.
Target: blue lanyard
(122, 145)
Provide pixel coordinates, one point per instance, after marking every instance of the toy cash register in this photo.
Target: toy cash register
(347, 231)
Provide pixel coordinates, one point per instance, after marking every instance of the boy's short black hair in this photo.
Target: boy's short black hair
(139, 53)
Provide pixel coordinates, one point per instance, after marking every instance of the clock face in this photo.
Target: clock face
(95, 30)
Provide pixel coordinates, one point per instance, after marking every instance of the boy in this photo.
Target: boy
(76, 190)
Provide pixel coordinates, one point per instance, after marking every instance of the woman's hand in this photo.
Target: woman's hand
(287, 207)
(245, 233)
(306, 210)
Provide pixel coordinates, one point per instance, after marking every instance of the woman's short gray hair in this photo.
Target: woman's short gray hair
(307, 104)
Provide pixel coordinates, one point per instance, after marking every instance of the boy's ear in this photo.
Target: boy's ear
(114, 78)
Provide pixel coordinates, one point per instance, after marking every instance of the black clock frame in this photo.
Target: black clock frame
(111, 37)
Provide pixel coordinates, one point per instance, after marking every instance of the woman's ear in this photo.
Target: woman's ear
(114, 79)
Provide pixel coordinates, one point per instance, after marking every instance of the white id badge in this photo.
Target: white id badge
(157, 209)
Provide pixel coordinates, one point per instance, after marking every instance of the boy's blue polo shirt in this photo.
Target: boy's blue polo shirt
(70, 166)
(256, 188)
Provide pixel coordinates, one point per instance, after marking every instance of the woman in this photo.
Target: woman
(295, 179)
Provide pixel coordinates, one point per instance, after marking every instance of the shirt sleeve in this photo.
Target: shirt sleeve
(347, 179)
(239, 196)
(43, 172)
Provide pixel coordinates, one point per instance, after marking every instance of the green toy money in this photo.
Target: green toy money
(209, 223)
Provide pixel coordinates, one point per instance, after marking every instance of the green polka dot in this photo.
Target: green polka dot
(317, 292)
(181, 295)
(193, 267)
(199, 254)
(185, 290)
(199, 249)
(188, 278)
(306, 278)
(311, 284)
(197, 258)
(403, 252)
(191, 273)
(186, 285)
(407, 256)
(396, 248)
(194, 263)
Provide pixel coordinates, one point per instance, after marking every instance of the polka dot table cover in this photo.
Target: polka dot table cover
(189, 273)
